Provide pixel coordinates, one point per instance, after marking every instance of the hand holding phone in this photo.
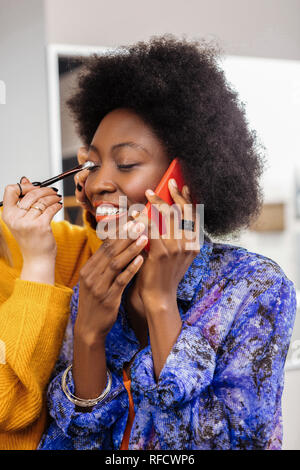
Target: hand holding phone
(162, 190)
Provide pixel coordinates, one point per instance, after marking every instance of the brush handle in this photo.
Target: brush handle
(85, 166)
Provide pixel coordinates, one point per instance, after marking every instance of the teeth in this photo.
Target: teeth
(109, 210)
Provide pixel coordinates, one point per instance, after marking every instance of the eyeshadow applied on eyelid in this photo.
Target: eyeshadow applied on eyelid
(120, 166)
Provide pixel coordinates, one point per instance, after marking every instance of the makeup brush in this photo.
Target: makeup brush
(85, 166)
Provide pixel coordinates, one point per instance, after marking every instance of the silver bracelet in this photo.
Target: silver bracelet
(84, 403)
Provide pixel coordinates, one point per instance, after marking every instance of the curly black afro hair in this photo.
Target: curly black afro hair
(178, 88)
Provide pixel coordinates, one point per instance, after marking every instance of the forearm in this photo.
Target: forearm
(89, 366)
(164, 325)
(39, 271)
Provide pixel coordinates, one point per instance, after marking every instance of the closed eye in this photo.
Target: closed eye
(94, 167)
(121, 167)
(126, 167)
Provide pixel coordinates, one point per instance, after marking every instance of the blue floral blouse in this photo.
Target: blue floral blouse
(222, 382)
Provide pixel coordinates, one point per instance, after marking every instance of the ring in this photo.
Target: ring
(36, 207)
(187, 225)
(44, 205)
(23, 208)
(21, 192)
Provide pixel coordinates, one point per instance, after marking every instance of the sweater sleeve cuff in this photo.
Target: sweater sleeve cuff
(188, 369)
(26, 303)
(82, 424)
(41, 293)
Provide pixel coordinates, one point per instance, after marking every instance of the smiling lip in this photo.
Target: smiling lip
(106, 203)
(99, 217)
(107, 217)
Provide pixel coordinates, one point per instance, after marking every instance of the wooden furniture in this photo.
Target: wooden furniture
(72, 210)
(271, 218)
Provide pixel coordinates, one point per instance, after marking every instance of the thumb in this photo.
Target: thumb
(24, 180)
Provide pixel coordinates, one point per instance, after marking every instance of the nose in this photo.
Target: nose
(100, 181)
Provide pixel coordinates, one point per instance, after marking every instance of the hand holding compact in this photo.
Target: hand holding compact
(169, 257)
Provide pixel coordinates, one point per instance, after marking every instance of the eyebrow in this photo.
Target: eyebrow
(120, 145)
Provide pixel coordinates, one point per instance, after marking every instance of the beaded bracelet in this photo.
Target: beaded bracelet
(82, 402)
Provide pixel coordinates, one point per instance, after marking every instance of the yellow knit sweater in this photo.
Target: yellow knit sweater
(33, 317)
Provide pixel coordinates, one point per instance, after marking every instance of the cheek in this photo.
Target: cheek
(136, 192)
(135, 189)
(88, 185)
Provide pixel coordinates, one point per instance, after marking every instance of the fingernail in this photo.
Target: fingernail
(173, 182)
(22, 178)
(138, 259)
(128, 225)
(141, 240)
(150, 192)
(59, 195)
(54, 189)
(139, 227)
(78, 187)
(59, 202)
(36, 183)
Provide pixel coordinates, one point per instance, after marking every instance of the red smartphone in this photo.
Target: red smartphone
(162, 190)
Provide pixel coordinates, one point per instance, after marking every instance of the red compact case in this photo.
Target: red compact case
(162, 190)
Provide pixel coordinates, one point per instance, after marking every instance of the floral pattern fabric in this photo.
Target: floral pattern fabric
(221, 385)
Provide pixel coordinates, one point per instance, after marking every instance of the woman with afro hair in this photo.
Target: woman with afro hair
(171, 348)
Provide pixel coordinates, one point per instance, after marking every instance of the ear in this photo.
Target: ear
(82, 155)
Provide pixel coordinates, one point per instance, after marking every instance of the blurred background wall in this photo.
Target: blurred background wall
(258, 28)
(24, 130)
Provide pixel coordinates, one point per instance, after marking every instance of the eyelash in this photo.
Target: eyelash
(126, 167)
(121, 167)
